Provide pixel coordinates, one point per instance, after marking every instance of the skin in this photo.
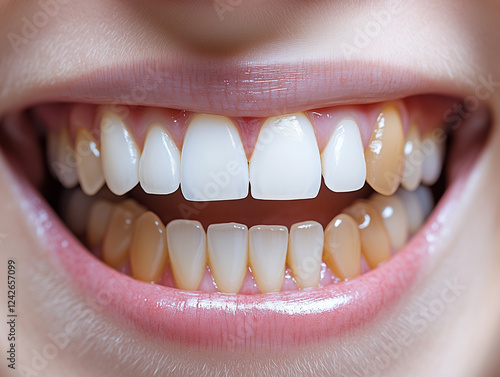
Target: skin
(453, 42)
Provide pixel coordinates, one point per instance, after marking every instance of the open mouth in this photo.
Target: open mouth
(228, 230)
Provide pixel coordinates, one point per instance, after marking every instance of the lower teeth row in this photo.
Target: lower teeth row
(134, 240)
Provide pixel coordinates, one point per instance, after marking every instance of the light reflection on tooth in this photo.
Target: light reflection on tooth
(148, 249)
(99, 215)
(375, 242)
(89, 168)
(120, 154)
(228, 255)
(305, 249)
(159, 167)
(385, 153)
(413, 208)
(186, 242)
(285, 164)
(343, 159)
(213, 162)
(342, 251)
(412, 174)
(267, 256)
(395, 219)
(433, 151)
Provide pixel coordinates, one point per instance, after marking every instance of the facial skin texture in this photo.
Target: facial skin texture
(452, 42)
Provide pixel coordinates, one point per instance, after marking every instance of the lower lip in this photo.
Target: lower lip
(221, 321)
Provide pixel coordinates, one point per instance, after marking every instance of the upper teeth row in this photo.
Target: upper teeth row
(212, 165)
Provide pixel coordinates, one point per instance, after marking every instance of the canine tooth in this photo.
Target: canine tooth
(159, 168)
(64, 161)
(186, 242)
(342, 251)
(213, 161)
(305, 248)
(343, 159)
(116, 243)
(285, 163)
(413, 208)
(120, 155)
(267, 256)
(433, 151)
(385, 153)
(99, 215)
(228, 255)
(89, 168)
(148, 249)
(412, 173)
(395, 219)
(375, 242)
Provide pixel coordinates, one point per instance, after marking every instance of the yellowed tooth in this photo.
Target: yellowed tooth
(99, 215)
(412, 174)
(187, 250)
(385, 153)
(116, 243)
(148, 250)
(89, 167)
(305, 248)
(228, 255)
(267, 256)
(342, 250)
(375, 242)
(64, 165)
(393, 212)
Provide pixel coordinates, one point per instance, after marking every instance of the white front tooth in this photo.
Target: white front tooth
(159, 168)
(267, 256)
(213, 162)
(433, 151)
(343, 159)
(64, 164)
(286, 164)
(186, 242)
(412, 173)
(413, 209)
(305, 250)
(228, 255)
(119, 153)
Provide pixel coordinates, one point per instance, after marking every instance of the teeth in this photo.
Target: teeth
(159, 168)
(285, 164)
(116, 243)
(305, 249)
(385, 153)
(375, 242)
(228, 255)
(413, 209)
(186, 241)
(343, 159)
(120, 155)
(395, 219)
(433, 159)
(412, 174)
(89, 169)
(213, 162)
(267, 256)
(148, 249)
(62, 158)
(99, 215)
(342, 250)
(426, 199)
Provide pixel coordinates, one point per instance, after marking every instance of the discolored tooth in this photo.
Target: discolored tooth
(228, 255)
(74, 209)
(120, 154)
(305, 249)
(148, 249)
(426, 199)
(393, 212)
(412, 173)
(159, 168)
(342, 250)
(116, 242)
(433, 151)
(186, 242)
(213, 162)
(99, 215)
(385, 153)
(375, 242)
(89, 168)
(413, 208)
(62, 158)
(267, 256)
(285, 164)
(343, 159)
